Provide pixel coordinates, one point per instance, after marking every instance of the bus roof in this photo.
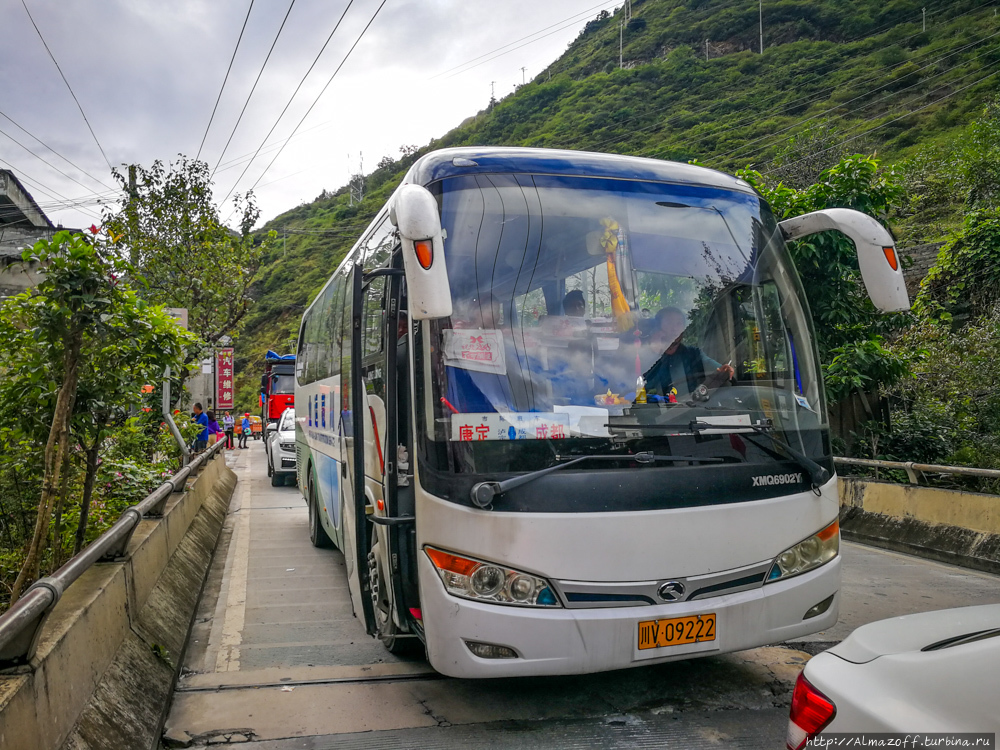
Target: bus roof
(451, 162)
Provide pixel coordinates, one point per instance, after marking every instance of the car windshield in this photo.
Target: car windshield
(608, 315)
(287, 421)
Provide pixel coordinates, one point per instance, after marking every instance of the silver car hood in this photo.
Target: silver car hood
(914, 632)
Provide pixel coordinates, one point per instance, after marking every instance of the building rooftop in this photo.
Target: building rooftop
(17, 207)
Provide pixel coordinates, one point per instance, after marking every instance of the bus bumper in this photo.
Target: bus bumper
(579, 641)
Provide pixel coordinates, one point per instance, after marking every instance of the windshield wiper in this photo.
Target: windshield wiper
(819, 475)
(482, 493)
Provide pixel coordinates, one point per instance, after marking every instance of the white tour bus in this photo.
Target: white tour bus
(562, 412)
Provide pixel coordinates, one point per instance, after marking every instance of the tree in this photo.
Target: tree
(172, 232)
(74, 346)
(849, 331)
(966, 278)
(133, 350)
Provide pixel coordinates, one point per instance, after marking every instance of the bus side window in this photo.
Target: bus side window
(373, 321)
(378, 246)
(345, 355)
(302, 354)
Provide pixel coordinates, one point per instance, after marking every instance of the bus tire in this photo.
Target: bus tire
(395, 641)
(317, 534)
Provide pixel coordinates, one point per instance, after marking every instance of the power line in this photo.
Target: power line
(290, 100)
(322, 91)
(79, 106)
(224, 166)
(869, 92)
(771, 137)
(51, 192)
(224, 80)
(804, 100)
(44, 161)
(499, 53)
(50, 148)
(254, 87)
(479, 57)
(798, 102)
(889, 122)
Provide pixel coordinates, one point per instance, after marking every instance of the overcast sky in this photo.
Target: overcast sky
(147, 74)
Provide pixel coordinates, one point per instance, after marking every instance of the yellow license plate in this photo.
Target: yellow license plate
(676, 631)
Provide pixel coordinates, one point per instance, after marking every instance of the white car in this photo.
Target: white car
(280, 447)
(927, 672)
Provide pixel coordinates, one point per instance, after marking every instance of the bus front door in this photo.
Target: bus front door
(385, 544)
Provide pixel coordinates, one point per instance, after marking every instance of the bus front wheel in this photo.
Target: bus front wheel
(395, 640)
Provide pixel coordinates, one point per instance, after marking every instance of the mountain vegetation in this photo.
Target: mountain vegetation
(908, 82)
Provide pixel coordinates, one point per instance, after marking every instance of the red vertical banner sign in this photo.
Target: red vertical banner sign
(224, 378)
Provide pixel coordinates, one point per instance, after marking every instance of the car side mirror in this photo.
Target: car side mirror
(877, 258)
(415, 214)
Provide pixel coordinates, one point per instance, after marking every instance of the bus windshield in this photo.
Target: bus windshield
(609, 316)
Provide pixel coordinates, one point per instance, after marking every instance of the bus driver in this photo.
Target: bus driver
(680, 366)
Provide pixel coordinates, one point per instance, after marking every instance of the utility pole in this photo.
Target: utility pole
(706, 49)
(522, 75)
(133, 216)
(356, 187)
(621, 39)
(925, 19)
(762, 27)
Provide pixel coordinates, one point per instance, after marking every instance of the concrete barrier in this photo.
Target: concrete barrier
(962, 528)
(110, 651)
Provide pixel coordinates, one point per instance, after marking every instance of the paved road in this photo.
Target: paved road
(277, 660)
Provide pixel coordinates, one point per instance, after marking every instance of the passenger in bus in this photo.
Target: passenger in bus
(483, 312)
(571, 362)
(574, 305)
(680, 366)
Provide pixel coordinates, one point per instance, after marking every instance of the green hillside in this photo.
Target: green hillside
(836, 77)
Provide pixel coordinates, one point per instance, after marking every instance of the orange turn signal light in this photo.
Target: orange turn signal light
(425, 253)
(890, 255)
(830, 531)
(451, 563)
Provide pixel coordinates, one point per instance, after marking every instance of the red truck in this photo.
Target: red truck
(277, 386)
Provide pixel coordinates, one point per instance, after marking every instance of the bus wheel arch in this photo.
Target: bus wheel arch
(317, 533)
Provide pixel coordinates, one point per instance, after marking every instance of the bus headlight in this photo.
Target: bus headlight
(483, 581)
(810, 553)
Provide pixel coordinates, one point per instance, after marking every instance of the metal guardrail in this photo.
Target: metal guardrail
(915, 472)
(21, 625)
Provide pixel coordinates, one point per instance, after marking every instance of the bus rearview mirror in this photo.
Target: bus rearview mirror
(880, 265)
(415, 214)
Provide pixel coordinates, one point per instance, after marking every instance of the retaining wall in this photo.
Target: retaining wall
(110, 651)
(962, 528)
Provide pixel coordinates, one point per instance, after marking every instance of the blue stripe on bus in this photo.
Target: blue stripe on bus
(328, 478)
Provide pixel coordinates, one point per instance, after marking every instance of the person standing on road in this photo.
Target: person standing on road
(229, 425)
(244, 430)
(200, 417)
(215, 433)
